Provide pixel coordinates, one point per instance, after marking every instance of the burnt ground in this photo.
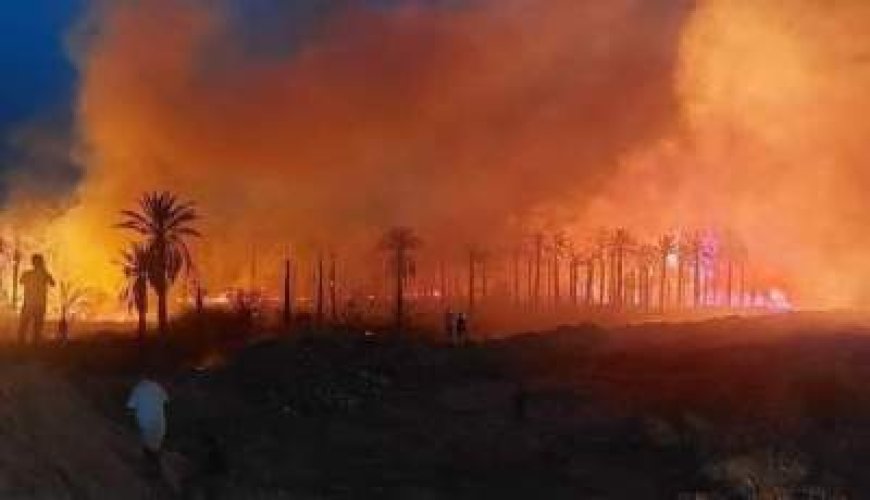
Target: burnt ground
(720, 407)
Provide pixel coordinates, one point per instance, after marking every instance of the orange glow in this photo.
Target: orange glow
(479, 124)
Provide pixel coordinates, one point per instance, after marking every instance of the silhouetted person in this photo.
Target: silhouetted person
(147, 402)
(35, 283)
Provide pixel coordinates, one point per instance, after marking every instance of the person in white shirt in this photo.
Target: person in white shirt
(147, 402)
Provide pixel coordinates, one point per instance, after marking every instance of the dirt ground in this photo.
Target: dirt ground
(724, 408)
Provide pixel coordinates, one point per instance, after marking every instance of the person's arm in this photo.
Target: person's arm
(50, 279)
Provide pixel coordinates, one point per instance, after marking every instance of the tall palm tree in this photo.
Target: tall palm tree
(667, 245)
(538, 242)
(135, 263)
(400, 242)
(166, 223)
(622, 243)
(71, 297)
(696, 246)
(560, 249)
(646, 261)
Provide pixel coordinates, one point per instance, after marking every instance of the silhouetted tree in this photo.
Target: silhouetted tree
(621, 244)
(684, 255)
(333, 289)
(166, 223)
(646, 260)
(559, 250)
(538, 242)
(696, 246)
(287, 309)
(666, 246)
(135, 263)
(16, 268)
(602, 252)
(71, 297)
(400, 242)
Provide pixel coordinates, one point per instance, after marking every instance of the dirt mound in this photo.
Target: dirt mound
(53, 445)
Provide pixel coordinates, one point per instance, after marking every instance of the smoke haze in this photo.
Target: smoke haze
(469, 119)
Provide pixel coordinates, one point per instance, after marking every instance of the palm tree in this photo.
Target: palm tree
(165, 222)
(560, 249)
(622, 243)
(400, 241)
(71, 297)
(696, 247)
(667, 245)
(602, 251)
(538, 242)
(135, 263)
(646, 260)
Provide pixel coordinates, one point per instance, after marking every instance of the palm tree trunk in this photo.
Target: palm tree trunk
(538, 251)
(555, 277)
(471, 281)
(142, 326)
(287, 311)
(320, 290)
(590, 277)
(333, 288)
(663, 279)
(162, 308)
(400, 286)
(602, 279)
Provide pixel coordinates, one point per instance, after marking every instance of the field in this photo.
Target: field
(727, 408)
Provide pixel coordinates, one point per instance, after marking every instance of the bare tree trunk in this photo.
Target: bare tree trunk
(162, 309)
(539, 243)
(333, 290)
(681, 281)
(619, 278)
(442, 278)
(483, 279)
(319, 315)
(516, 286)
(16, 270)
(590, 278)
(400, 286)
(602, 280)
(530, 287)
(663, 281)
(555, 277)
(287, 311)
(730, 284)
(471, 281)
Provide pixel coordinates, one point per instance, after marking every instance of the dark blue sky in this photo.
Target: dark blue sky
(37, 74)
(37, 90)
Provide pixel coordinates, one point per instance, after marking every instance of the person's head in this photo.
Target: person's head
(38, 261)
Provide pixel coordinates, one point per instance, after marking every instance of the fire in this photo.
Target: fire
(480, 124)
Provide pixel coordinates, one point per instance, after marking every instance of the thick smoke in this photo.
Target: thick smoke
(462, 118)
(772, 146)
(452, 117)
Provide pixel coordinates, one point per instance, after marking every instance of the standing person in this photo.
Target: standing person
(462, 328)
(147, 402)
(35, 283)
(450, 326)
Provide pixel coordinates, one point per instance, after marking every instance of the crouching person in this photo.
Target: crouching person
(147, 402)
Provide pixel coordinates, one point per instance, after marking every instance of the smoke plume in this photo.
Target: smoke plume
(466, 119)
